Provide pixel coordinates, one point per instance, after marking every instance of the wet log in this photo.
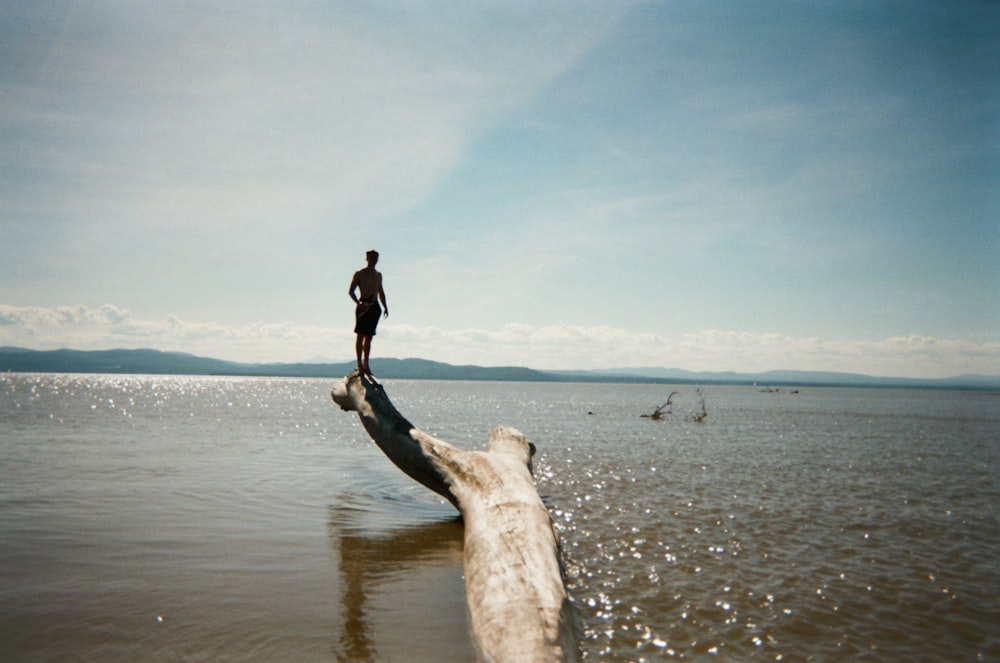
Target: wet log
(519, 609)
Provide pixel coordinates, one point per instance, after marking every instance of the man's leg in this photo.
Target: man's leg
(358, 349)
(367, 352)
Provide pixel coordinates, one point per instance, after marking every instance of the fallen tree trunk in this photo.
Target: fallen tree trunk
(519, 608)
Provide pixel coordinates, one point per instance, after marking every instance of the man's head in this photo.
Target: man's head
(372, 256)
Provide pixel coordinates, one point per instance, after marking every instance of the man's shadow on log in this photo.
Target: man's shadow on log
(372, 563)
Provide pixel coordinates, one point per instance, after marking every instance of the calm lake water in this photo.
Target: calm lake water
(249, 519)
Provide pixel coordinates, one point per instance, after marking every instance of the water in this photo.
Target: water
(209, 519)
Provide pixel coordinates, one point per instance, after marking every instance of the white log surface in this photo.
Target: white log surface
(519, 609)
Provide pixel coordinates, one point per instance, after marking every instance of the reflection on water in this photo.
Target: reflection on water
(201, 519)
(808, 529)
(394, 575)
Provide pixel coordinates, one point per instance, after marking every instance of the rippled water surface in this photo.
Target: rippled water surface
(205, 519)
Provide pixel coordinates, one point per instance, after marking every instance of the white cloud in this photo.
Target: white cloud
(84, 328)
(557, 346)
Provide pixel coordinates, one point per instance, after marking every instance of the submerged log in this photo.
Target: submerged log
(660, 411)
(519, 609)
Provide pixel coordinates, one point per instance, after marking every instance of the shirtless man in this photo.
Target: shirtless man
(368, 282)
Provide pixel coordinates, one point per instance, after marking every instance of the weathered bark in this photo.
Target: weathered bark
(519, 608)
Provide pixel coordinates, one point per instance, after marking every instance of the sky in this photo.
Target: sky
(703, 185)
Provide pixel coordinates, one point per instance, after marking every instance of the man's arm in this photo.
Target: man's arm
(354, 285)
(381, 296)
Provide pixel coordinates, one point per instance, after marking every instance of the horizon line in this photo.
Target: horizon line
(987, 381)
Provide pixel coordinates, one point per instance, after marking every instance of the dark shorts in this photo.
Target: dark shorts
(366, 318)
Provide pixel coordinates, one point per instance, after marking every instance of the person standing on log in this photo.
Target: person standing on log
(368, 282)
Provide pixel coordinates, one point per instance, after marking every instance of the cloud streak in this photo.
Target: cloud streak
(253, 113)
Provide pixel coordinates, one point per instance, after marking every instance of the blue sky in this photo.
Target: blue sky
(706, 185)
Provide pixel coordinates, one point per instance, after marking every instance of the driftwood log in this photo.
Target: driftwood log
(519, 609)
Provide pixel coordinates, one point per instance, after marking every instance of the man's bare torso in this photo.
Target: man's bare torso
(369, 282)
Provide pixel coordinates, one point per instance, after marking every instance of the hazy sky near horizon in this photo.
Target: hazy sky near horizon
(706, 185)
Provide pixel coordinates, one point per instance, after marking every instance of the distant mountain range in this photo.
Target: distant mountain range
(156, 362)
